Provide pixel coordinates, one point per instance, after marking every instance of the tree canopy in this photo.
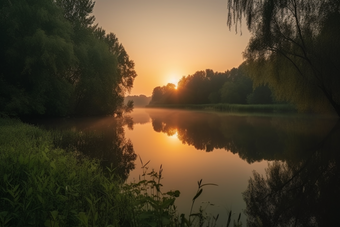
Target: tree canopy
(294, 48)
(203, 87)
(55, 61)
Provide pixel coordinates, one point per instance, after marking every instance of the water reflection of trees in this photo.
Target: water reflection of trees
(298, 193)
(253, 138)
(99, 138)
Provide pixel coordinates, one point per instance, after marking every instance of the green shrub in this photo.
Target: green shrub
(44, 186)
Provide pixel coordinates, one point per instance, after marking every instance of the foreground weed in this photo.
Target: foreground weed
(151, 207)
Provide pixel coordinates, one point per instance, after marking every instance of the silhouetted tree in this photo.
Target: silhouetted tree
(54, 61)
(232, 86)
(165, 94)
(237, 88)
(294, 49)
(261, 95)
(36, 49)
(138, 100)
(78, 12)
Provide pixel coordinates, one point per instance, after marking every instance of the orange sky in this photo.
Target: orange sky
(168, 39)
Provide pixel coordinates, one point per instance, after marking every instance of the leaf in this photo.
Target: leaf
(21, 159)
(196, 214)
(40, 199)
(167, 203)
(141, 161)
(89, 201)
(209, 184)
(83, 218)
(145, 164)
(54, 214)
(198, 194)
(52, 164)
(229, 218)
(29, 191)
(173, 193)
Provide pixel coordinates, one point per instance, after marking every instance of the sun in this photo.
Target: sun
(173, 79)
(174, 136)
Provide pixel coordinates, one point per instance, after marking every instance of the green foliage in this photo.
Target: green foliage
(41, 185)
(294, 49)
(260, 95)
(35, 49)
(53, 62)
(151, 207)
(236, 90)
(78, 11)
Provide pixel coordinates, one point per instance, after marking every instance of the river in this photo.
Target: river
(299, 154)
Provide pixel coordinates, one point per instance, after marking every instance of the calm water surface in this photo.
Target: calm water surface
(219, 148)
(225, 149)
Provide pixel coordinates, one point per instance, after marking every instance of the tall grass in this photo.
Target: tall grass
(45, 186)
(41, 185)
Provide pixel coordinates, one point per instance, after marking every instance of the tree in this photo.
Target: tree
(103, 75)
(55, 62)
(78, 12)
(35, 51)
(260, 95)
(294, 48)
(237, 88)
(165, 94)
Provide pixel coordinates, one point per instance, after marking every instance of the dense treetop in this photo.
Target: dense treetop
(55, 61)
(202, 87)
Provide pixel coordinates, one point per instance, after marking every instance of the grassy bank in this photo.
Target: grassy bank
(251, 108)
(43, 185)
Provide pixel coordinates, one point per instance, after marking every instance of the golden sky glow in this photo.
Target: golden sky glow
(171, 39)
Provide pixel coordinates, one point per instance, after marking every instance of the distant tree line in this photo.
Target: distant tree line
(232, 86)
(138, 100)
(55, 61)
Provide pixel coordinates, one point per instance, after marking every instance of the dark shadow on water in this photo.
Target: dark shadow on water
(253, 138)
(99, 138)
(302, 182)
(298, 193)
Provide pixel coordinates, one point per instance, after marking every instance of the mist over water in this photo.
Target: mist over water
(220, 148)
(299, 154)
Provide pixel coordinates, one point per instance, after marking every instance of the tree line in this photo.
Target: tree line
(55, 61)
(138, 100)
(233, 86)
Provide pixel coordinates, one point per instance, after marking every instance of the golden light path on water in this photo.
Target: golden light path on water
(184, 165)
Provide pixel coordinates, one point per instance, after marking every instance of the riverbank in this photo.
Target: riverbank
(43, 185)
(250, 108)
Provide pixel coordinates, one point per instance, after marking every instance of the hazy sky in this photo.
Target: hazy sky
(168, 39)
